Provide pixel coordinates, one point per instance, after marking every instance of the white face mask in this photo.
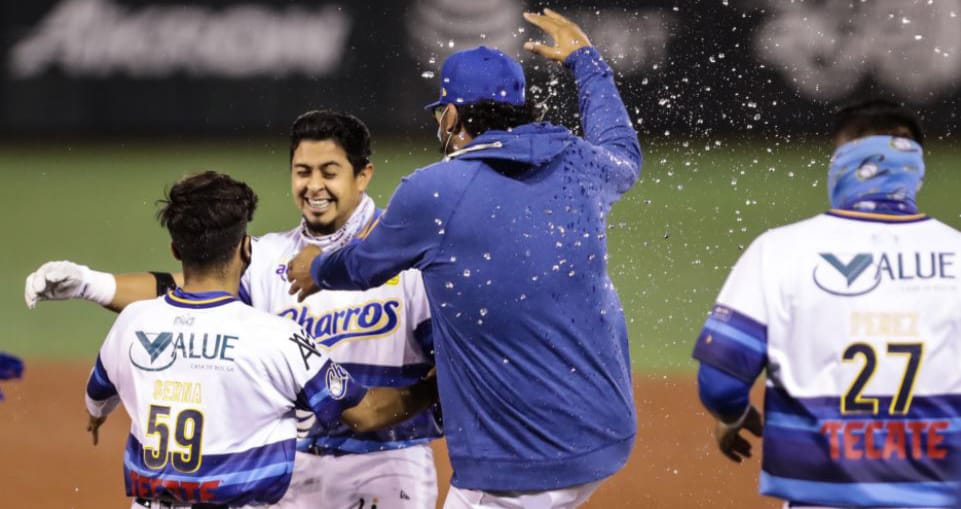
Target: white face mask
(440, 131)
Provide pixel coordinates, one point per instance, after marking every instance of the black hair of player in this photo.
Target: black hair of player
(207, 216)
(482, 116)
(874, 117)
(344, 129)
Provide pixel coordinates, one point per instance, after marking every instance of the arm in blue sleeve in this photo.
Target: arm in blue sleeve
(404, 237)
(101, 395)
(603, 116)
(722, 394)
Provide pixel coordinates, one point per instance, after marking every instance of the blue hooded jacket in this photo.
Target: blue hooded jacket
(531, 344)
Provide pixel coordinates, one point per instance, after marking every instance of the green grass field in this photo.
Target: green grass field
(672, 238)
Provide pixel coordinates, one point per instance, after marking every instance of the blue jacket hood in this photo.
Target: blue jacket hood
(533, 144)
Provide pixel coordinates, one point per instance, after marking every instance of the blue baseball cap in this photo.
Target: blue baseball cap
(477, 74)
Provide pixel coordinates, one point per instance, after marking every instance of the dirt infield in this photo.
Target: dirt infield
(49, 462)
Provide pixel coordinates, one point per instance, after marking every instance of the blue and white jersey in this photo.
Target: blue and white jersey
(857, 319)
(211, 386)
(380, 336)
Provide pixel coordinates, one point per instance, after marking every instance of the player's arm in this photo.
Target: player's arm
(101, 398)
(383, 407)
(603, 116)
(62, 280)
(732, 351)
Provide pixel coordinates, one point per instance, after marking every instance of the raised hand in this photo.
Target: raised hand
(568, 37)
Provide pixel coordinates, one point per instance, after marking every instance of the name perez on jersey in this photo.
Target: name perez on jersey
(368, 320)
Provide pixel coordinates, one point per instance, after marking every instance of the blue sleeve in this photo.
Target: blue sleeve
(603, 116)
(404, 237)
(722, 394)
(99, 386)
(329, 393)
(424, 336)
(733, 343)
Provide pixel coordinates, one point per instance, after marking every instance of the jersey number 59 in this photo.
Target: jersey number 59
(188, 434)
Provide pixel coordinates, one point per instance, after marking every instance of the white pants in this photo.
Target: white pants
(402, 478)
(567, 498)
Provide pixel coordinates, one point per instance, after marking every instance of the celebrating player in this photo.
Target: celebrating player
(509, 233)
(854, 315)
(382, 335)
(210, 383)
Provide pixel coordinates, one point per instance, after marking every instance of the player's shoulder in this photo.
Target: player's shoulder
(274, 242)
(267, 327)
(450, 172)
(140, 308)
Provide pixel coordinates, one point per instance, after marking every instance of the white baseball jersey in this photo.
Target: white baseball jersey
(380, 336)
(211, 385)
(857, 319)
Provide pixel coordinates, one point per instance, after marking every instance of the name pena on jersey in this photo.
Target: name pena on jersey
(191, 345)
(863, 272)
(367, 321)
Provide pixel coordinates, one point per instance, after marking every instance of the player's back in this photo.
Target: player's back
(210, 396)
(863, 395)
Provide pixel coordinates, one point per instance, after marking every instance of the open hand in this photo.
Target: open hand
(298, 273)
(729, 439)
(568, 37)
(93, 426)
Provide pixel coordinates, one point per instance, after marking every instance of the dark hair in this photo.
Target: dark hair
(342, 128)
(207, 216)
(876, 116)
(482, 116)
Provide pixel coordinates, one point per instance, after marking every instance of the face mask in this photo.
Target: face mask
(440, 131)
(876, 173)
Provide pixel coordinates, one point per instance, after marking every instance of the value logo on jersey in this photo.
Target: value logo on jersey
(159, 350)
(363, 321)
(861, 273)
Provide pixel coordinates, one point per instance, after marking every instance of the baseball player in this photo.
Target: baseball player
(11, 367)
(509, 233)
(382, 336)
(854, 315)
(211, 384)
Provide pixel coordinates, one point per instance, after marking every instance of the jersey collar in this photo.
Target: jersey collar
(200, 300)
(874, 217)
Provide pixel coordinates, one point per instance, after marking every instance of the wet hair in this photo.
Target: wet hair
(482, 116)
(344, 129)
(876, 116)
(207, 216)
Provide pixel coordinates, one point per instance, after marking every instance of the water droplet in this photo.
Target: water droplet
(483, 311)
(449, 285)
(427, 75)
(487, 256)
(466, 272)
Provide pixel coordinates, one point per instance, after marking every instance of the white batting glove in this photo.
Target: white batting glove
(67, 280)
(305, 421)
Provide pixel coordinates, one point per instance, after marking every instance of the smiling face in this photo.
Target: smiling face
(324, 185)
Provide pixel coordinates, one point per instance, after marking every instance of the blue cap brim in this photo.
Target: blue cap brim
(433, 105)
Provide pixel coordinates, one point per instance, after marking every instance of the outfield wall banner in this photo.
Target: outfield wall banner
(755, 67)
